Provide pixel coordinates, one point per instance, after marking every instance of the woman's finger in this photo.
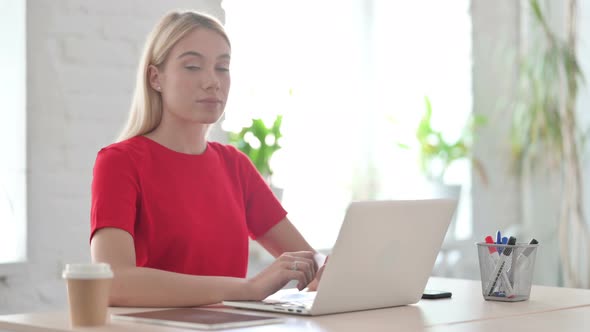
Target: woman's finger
(307, 268)
(288, 274)
(300, 267)
(310, 262)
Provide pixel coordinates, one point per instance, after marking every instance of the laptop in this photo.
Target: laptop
(383, 257)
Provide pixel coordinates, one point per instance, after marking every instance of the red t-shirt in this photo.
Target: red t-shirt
(186, 213)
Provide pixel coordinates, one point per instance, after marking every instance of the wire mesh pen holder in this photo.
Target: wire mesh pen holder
(506, 270)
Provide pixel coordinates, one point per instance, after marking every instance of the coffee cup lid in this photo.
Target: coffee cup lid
(87, 271)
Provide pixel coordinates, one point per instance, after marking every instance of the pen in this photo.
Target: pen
(503, 241)
(512, 266)
(525, 254)
(529, 250)
(520, 263)
(511, 271)
(494, 260)
(515, 261)
(500, 267)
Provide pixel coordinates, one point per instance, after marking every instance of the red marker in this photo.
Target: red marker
(490, 240)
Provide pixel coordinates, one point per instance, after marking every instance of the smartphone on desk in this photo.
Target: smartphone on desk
(432, 294)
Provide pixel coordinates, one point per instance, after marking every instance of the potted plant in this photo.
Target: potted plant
(546, 134)
(437, 154)
(259, 142)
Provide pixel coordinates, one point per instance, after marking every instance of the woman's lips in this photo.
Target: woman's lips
(209, 100)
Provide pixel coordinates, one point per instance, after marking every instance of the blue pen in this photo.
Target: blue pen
(498, 270)
(503, 241)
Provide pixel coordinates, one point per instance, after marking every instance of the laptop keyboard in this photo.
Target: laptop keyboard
(296, 300)
(299, 297)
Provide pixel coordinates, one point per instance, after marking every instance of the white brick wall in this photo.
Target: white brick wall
(82, 58)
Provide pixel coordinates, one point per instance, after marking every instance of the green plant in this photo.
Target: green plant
(437, 154)
(259, 143)
(549, 75)
(545, 130)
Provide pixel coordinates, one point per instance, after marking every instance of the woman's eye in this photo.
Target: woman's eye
(192, 67)
(222, 69)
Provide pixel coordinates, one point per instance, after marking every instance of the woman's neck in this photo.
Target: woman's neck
(180, 136)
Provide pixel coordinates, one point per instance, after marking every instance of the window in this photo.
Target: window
(338, 71)
(422, 48)
(12, 132)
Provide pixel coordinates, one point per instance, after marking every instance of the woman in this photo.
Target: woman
(172, 212)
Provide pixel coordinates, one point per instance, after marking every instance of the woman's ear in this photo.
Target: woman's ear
(154, 78)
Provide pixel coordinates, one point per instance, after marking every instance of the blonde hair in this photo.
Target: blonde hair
(146, 107)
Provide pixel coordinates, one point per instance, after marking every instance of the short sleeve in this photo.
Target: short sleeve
(115, 191)
(263, 209)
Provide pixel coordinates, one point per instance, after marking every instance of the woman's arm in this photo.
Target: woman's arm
(284, 237)
(139, 286)
(146, 287)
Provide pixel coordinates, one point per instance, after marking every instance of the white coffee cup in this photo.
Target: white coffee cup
(88, 286)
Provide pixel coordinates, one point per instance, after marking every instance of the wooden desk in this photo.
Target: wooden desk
(467, 303)
(465, 311)
(564, 320)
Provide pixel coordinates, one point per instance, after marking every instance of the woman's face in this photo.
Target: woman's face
(194, 80)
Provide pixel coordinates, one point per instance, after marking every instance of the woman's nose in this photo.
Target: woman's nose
(210, 80)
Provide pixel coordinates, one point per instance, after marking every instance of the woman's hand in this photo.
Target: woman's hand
(313, 286)
(299, 266)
